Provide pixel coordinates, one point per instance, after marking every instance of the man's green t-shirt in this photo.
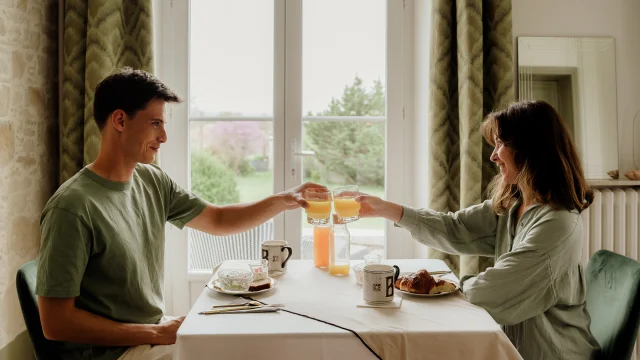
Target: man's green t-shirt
(102, 242)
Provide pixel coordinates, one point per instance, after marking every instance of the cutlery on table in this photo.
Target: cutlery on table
(441, 272)
(262, 309)
(252, 304)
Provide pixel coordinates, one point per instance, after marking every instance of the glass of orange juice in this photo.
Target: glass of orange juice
(319, 209)
(344, 202)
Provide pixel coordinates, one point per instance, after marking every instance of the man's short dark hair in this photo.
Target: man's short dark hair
(128, 90)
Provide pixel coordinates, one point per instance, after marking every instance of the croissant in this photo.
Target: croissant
(421, 282)
(443, 286)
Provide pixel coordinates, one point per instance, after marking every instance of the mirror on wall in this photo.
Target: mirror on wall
(577, 76)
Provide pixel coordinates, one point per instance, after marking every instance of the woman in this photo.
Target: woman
(533, 228)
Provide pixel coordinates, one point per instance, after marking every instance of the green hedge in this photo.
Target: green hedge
(211, 180)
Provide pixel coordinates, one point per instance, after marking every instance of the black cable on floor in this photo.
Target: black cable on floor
(322, 321)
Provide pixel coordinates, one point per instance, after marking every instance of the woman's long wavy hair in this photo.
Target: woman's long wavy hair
(544, 154)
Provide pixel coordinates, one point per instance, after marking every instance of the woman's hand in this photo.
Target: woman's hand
(372, 206)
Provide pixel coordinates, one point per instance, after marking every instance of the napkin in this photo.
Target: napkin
(395, 304)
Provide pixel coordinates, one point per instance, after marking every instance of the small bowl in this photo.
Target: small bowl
(235, 279)
(372, 259)
(358, 270)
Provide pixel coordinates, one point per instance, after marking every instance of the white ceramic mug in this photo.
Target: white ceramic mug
(274, 252)
(378, 281)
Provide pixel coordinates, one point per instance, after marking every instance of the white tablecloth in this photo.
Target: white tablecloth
(445, 327)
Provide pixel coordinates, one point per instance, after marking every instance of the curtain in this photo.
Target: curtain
(99, 36)
(471, 70)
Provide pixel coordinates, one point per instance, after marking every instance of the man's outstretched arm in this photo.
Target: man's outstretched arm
(236, 218)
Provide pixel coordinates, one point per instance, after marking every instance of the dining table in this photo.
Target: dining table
(324, 317)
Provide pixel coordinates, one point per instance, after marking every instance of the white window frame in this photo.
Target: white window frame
(172, 50)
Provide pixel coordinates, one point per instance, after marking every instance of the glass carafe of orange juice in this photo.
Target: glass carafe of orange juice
(339, 248)
(321, 233)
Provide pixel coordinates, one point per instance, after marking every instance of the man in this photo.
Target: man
(100, 276)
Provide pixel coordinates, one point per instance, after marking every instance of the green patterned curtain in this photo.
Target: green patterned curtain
(471, 74)
(99, 37)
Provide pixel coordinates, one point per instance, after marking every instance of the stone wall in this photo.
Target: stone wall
(28, 141)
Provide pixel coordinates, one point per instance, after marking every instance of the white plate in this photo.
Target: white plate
(432, 295)
(214, 285)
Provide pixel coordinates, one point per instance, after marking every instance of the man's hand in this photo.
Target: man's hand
(166, 331)
(293, 198)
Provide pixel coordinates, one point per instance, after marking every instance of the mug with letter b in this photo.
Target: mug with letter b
(378, 283)
(277, 253)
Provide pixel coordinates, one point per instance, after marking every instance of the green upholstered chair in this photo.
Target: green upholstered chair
(613, 301)
(26, 285)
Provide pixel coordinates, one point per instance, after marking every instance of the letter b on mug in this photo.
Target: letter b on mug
(277, 252)
(379, 283)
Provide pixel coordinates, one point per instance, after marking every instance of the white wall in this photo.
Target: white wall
(615, 18)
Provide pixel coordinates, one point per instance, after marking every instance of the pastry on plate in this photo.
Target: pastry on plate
(443, 286)
(421, 282)
(260, 284)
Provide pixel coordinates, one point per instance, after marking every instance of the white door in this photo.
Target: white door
(278, 92)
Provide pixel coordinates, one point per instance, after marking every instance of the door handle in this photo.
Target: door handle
(305, 153)
(297, 152)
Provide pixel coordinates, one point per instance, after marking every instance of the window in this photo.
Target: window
(286, 92)
(343, 105)
(231, 121)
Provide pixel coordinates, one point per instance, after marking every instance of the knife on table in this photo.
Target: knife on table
(440, 272)
(263, 309)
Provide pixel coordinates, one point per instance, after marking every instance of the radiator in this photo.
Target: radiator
(611, 223)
